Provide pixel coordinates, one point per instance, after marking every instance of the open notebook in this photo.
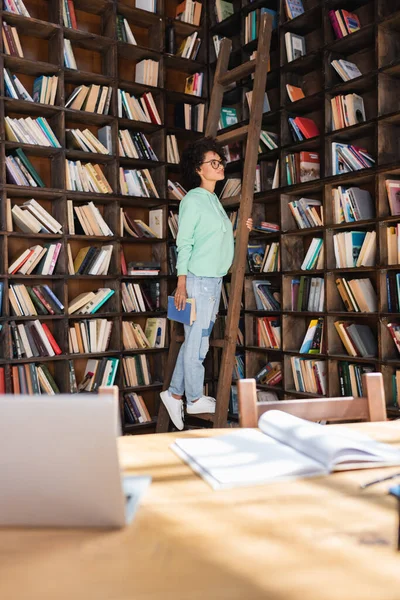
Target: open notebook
(286, 447)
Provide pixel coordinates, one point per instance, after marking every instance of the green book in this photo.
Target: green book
(49, 378)
(226, 9)
(301, 292)
(228, 116)
(27, 164)
(42, 310)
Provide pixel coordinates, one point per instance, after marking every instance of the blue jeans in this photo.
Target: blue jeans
(188, 376)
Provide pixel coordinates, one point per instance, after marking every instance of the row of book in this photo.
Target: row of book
(267, 295)
(146, 72)
(190, 46)
(309, 375)
(33, 379)
(263, 259)
(135, 410)
(189, 11)
(393, 291)
(89, 336)
(31, 217)
(354, 249)
(137, 297)
(85, 140)
(314, 258)
(86, 219)
(27, 301)
(343, 22)
(11, 42)
(194, 84)
(153, 335)
(173, 156)
(90, 260)
(98, 373)
(144, 109)
(351, 204)
(31, 131)
(347, 158)
(301, 167)
(270, 374)
(32, 339)
(252, 22)
(136, 228)
(313, 342)
(137, 182)
(87, 303)
(124, 31)
(307, 294)
(268, 332)
(37, 260)
(347, 110)
(135, 145)
(358, 295)
(20, 170)
(91, 98)
(189, 116)
(175, 190)
(357, 339)
(68, 14)
(136, 370)
(307, 212)
(85, 177)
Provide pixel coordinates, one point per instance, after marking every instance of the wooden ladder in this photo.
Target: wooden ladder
(224, 78)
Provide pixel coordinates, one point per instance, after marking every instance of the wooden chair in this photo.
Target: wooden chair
(370, 408)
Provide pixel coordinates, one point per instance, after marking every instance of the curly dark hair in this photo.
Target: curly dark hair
(193, 156)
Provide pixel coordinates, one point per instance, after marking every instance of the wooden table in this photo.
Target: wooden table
(316, 539)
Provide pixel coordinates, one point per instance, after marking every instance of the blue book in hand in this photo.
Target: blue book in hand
(187, 316)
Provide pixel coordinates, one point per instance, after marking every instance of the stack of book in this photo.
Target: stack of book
(134, 144)
(69, 57)
(88, 220)
(358, 295)
(189, 47)
(68, 13)
(29, 301)
(78, 139)
(189, 11)
(393, 244)
(355, 249)
(137, 298)
(252, 23)
(32, 339)
(14, 88)
(89, 336)
(45, 89)
(138, 229)
(309, 375)
(223, 10)
(394, 330)
(393, 194)
(90, 260)
(93, 98)
(20, 170)
(194, 84)
(264, 227)
(88, 303)
(175, 190)
(393, 291)
(98, 373)
(172, 150)
(33, 379)
(271, 374)
(357, 339)
(17, 8)
(351, 204)
(85, 177)
(134, 338)
(146, 72)
(189, 116)
(314, 258)
(144, 269)
(313, 342)
(30, 131)
(302, 128)
(11, 42)
(268, 141)
(31, 217)
(267, 295)
(263, 259)
(124, 31)
(269, 332)
(135, 409)
(350, 378)
(347, 110)
(307, 212)
(293, 8)
(37, 260)
(295, 46)
(346, 158)
(301, 167)
(343, 22)
(144, 109)
(346, 70)
(232, 187)
(137, 182)
(307, 294)
(136, 370)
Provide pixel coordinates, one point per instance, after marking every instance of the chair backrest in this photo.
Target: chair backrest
(372, 407)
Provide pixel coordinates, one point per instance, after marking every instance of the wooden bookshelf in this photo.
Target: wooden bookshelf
(374, 48)
(101, 59)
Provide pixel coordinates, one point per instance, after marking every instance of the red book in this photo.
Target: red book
(307, 127)
(309, 166)
(72, 14)
(124, 269)
(42, 299)
(51, 339)
(335, 24)
(23, 261)
(2, 381)
(149, 108)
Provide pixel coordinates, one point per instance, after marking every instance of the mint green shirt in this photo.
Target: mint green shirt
(205, 235)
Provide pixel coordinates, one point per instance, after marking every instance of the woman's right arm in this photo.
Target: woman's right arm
(188, 217)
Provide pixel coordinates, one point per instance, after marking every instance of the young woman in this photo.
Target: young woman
(205, 254)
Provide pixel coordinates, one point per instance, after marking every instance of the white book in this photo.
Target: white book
(285, 448)
(25, 342)
(38, 326)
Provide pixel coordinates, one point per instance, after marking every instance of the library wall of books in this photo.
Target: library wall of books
(99, 98)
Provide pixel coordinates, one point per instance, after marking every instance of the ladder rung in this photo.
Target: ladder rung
(217, 343)
(233, 136)
(238, 73)
(230, 200)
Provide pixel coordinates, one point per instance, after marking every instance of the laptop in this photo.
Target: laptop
(59, 463)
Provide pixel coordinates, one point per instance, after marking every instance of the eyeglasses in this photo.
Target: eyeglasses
(216, 164)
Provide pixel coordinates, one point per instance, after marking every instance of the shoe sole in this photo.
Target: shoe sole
(169, 414)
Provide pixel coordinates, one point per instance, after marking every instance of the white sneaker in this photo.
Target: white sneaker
(174, 408)
(205, 404)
